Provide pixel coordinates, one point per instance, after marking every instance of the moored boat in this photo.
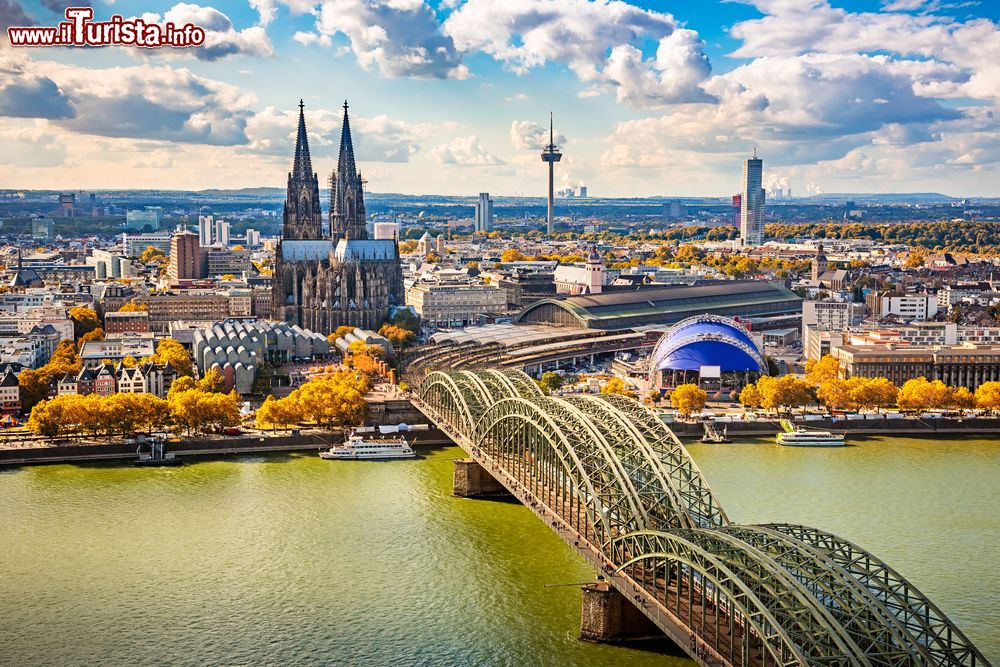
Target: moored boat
(802, 438)
(359, 447)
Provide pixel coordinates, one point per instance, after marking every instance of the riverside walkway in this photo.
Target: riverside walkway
(617, 486)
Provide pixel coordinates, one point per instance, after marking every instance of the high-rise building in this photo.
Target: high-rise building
(212, 231)
(221, 236)
(551, 155)
(67, 205)
(752, 202)
(484, 213)
(252, 238)
(148, 219)
(43, 230)
(675, 210)
(583, 192)
(186, 258)
(737, 205)
(206, 229)
(135, 244)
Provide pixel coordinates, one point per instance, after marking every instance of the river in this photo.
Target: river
(291, 560)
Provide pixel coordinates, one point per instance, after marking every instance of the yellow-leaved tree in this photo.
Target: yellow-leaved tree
(988, 396)
(172, 352)
(84, 320)
(922, 394)
(786, 391)
(618, 386)
(820, 371)
(871, 393)
(688, 398)
(750, 397)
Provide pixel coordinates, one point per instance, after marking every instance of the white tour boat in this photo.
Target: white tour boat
(800, 438)
(358, 447)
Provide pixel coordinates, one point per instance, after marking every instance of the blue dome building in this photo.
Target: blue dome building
(706, 341)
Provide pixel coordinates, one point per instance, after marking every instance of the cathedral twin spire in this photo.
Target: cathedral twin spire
(347, 196)
(303, 216)
(302, 164)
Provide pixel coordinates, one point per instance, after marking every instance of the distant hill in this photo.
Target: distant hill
(880, 197)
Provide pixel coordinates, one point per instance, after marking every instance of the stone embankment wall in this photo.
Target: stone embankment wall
(911, 427)
(248, 443)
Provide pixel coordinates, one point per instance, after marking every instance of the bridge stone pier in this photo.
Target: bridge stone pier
(606, 616)
(618, 487)
(472, 481)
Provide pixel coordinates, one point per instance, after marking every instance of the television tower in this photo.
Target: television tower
(551, 155)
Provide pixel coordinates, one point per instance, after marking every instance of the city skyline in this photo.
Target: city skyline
(859, 96)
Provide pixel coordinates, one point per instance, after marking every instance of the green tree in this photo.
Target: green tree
(550, 381)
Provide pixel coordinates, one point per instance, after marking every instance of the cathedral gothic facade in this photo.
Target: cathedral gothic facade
(322, 282)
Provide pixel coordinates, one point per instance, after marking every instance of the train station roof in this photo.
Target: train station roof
(664, 305)
(508, 335)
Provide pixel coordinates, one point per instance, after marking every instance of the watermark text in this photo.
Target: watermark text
(79, 29)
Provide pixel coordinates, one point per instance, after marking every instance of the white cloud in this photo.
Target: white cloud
(377, 139)
(465, 152)
(153, 102)
(599, 41)
(222, 39)
(792, 28)
(31, 147)
(25, 94)
(395, 37)
(266, 9)
(903, 5)
(528, 33)
(674, 76)
(529, 135)
(798, 109)
(310, 38)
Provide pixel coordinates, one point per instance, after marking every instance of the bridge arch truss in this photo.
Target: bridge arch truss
(771, 595)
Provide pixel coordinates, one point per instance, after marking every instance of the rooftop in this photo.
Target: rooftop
(668, 304)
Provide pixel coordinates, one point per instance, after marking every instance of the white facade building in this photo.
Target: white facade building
(907, 306)
(212, 231)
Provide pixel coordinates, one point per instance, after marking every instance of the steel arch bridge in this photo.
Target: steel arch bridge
(615, 482)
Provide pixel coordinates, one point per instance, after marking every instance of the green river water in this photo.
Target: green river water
(292, 560)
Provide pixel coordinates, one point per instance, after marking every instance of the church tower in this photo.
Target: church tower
(303, 217)
(347, 197)
(819, 263)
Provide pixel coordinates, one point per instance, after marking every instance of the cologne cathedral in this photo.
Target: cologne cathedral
(324, 281)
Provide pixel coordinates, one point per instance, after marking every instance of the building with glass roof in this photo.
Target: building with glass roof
(665, 305)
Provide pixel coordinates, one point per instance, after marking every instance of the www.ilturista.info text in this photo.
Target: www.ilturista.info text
(80, 30)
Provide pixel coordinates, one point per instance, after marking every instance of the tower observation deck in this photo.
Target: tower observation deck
(551, 155)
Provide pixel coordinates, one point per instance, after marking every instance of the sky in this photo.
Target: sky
(650, 97)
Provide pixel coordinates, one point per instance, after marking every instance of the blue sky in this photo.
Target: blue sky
(451, 96)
